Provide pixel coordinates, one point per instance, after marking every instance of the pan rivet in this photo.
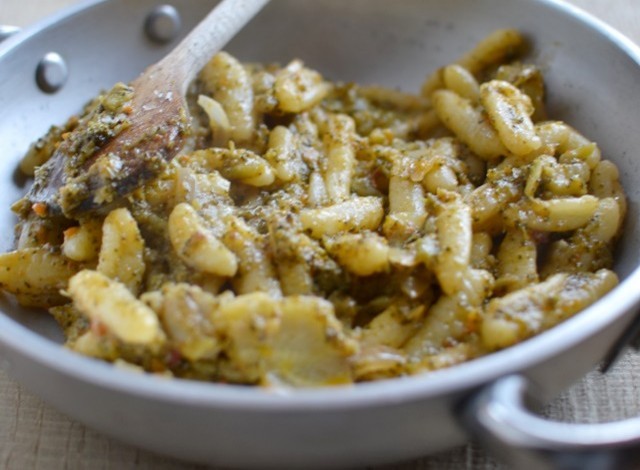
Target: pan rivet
(7, 31)
(51, 73)
(163, 24)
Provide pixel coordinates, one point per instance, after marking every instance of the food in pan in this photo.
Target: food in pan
(319, 233)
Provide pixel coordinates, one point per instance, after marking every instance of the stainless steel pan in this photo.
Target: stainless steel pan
(593, 75)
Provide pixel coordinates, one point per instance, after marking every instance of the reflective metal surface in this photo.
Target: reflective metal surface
(501, 421)
(163, 24)
(51, 73)
(6, 31)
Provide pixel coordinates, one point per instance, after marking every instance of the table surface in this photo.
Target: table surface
(34, 435)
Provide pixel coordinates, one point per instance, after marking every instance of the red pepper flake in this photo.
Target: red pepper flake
(70, 232)
(127, 109)
(98, 328)
(173, 359)
(39, 208)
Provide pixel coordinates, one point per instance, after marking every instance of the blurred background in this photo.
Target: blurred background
(623, 14)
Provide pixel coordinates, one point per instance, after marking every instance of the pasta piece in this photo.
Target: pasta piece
(82, 243)
(578, 146)
(440, 165)
(282, 153)
(517, 260)
(97, 343)
(606, 222)
(509, 110)
(391, 97)
(441, 177)
(185, 313)
(200, 190)
(110, 303)
(481, 247)
(550, 178)
(218, 120)
(469, 124)
(459, 80)
(496, 48)
(528, 78)
(533, 309)
(288, 247)
(478, 286)
(377, 362)
(234, 164)
(303, 266)
(227, 82)
(317, 193)
(362, 254)
(297, 88)
(444, 322)
(589, 248)
(427, 124)
(36, 275)
(358, 213)
(552, 135)
(197, 246)
(391, 327)
(453, 224)
(255, 269)
(503, 186)
(407, 211)
(339, 141)
(121, 255)
(605, 183)
(554, 215)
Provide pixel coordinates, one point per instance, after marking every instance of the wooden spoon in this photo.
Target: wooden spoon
(124, 140)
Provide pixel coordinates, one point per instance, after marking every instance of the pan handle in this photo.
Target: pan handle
(499, 418)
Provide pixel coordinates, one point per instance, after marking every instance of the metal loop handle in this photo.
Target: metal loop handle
(6, 31)
(498, 417)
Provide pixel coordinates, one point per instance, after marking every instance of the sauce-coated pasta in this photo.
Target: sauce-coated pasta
(315, 233)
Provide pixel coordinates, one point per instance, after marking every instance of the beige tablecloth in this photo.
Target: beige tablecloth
(34, 435)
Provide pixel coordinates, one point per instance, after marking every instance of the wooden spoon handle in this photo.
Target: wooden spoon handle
(208, 37)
